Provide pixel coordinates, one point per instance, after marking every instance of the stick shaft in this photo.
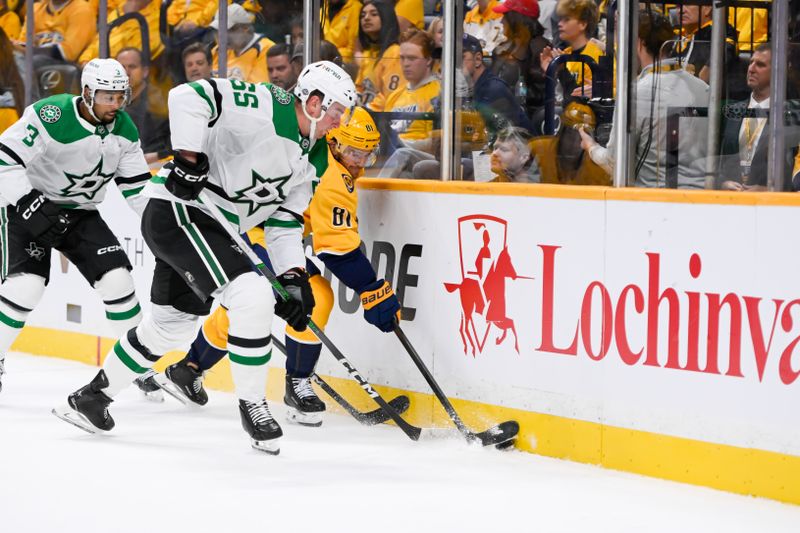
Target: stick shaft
(411, 431)
(433, 384)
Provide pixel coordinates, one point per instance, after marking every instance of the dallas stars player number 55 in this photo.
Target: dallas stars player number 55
(55, 165)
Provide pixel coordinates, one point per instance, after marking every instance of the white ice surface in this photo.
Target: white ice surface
(172, 469)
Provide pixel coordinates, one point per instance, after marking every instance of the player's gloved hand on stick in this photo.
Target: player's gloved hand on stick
(296, 311)
(46, 220)
(187, 179)
(381, 307)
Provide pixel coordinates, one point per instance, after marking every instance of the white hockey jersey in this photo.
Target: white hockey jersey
(261, 168)
(54, 150)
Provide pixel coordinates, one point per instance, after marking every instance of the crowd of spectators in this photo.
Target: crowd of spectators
(534, 86)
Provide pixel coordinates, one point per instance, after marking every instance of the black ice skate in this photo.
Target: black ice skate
(2, 371)
(258, 422)
(183, 383)
(147, 384)
(88, 407)
(304, 406)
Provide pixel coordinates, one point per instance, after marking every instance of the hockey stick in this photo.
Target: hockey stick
(369, 418)
(412, 432)
(496, 435)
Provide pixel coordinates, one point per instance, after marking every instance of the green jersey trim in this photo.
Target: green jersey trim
(318, 156)
(124, 127)
(199, 90)
(283, 116)
(58, 115)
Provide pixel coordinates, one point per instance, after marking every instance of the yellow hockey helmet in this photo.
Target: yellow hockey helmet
(357, 130)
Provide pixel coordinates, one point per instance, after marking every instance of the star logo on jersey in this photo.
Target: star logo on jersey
(280, 95)
(263, 192)
(49, 113)
(87, 185)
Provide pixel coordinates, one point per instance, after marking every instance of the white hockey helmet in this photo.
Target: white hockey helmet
(332, 81)
(106, 75)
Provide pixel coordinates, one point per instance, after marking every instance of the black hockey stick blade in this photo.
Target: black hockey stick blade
(369, 418)
(491, 437)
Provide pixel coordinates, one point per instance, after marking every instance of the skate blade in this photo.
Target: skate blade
(156, 396)
(73, 417)
(312, 420)
(173, 390)
(271, 447)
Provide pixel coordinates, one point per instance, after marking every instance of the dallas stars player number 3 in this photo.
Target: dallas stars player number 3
(55, 165)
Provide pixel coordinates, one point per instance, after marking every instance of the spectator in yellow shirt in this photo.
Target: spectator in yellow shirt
(378, 60)
(128, 35)
(12, 90)
(247, 50)
(419, 95)
(340, 25)
(410, 13)
(187, 16)
(62, 28)
(577, 24)
(9, 21)
(751, 25)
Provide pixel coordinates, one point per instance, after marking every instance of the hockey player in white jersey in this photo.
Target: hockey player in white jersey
(55, 164)
(254, 149)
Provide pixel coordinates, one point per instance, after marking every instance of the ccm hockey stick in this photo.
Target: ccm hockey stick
(369, 418)
(412, 432)
(497, 435)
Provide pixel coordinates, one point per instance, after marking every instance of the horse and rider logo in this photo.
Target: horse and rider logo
(485, 266)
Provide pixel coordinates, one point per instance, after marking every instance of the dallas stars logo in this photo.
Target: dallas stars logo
(263, 192)
(87, 185)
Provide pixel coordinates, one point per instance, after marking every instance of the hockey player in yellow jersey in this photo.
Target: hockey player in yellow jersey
(332, 221)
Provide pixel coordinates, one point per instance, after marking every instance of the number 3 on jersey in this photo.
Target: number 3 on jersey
(341, 217)
(32, 134)
(244, 94)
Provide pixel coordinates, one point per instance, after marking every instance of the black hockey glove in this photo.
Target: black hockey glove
(187, 179)
(296, 311)
(46, 221)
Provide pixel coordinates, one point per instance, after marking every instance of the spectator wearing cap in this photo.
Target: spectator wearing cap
(62, 29)
(378, 56)
(247, 50)
(491, 96)
(576, 26)
(485, 24)
(9, 21)
(661, 86)
(516, 61)
(279, 66)
(560, 156)
(128, 34)
(196, 61)
(340, 25)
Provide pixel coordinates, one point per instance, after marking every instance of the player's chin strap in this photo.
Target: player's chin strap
(90, 106)
(312, 132)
